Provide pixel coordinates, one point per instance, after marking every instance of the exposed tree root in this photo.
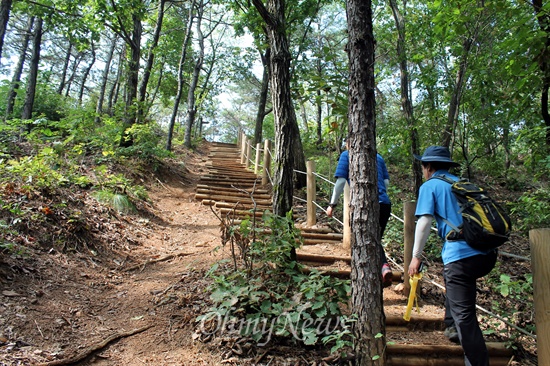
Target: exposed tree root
(162, 259)
(96, 347)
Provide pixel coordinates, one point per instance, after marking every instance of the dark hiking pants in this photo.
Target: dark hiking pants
(460, 283)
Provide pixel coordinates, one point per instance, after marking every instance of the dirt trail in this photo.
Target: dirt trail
(136, 303)
(55, 306)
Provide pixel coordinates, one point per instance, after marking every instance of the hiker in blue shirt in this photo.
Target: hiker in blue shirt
(462, 264)
(342, 176)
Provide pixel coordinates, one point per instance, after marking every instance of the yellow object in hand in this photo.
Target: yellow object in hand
(412, 295)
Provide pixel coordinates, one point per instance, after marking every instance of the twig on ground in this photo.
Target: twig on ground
(96, 347)
(149, 261)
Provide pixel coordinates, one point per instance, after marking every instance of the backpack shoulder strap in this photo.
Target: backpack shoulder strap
(443, 178)
(451, 182)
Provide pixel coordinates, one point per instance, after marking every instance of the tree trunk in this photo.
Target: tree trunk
(65, 68)
(319, 118)
(366, 286)
(300, 179)
(130, 111)
(191, 107)
(104, 79)
(114, 92)
(454, 104)
(5, 8)
(16, 78)
(544, 64)
(258, 128)
(157, 88)
(150, 59)
(406, 102)
(285, 116)
(179, 93)
(33, 72)
(86, 74)
(74, 70)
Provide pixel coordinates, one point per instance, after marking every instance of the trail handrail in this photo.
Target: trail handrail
(267, 177)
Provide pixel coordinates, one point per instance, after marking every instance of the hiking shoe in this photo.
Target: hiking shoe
(452, 334)
(387, 275)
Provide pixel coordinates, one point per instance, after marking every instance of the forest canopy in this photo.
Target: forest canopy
(111, 75)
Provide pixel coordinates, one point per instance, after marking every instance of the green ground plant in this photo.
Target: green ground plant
(265, 295)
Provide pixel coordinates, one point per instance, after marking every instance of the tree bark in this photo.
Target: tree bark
(5, 8)
(406, 103)
(104, 79)
(33, 71)
(16, 78)
(65, 68)
(86, 74)
(454, 104)
(284, 113)
(115, 88)
(74, 69)
(544, 64)
(366, 286)
(179, 93)
(130, 112)
(142, 93)
(260, 115)
(191, 100)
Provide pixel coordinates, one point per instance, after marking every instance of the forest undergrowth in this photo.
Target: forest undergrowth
(80, 233)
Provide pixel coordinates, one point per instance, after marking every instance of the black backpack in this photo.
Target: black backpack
(486, 225)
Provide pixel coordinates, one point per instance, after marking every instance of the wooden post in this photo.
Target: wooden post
(248, 152)
(540, 256)
(257, 163)
(311, 194)
(267, 162)
(243, 148)
(346, 241)
(409, 209)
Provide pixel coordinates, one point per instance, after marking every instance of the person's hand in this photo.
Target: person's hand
(329, 211)
(414, 266)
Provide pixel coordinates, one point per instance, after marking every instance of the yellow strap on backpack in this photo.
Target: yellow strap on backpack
(413, 281)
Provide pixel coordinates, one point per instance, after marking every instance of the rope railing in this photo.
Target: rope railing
(314, 203)
(312, 206)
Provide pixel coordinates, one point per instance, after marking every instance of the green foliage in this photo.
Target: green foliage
(515, 288)
(266, 294)
(145, 145)
(516, 303)
(532, 210)
(6, 231)
(119, 202)
(118, 184)
(35, 172)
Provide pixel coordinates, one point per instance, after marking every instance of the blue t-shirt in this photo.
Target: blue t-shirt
(342, 171)
(436, 199)
(382, 174)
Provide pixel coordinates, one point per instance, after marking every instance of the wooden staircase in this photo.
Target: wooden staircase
(235, 191)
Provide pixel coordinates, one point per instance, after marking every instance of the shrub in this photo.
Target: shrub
(266, 295)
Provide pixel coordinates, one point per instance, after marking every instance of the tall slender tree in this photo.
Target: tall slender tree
(5, 8)
(180, 79)
(142, 92)
(366, 293)
(105, 79)
(33, 71)
(16, 77)
(543, 18)
(274, 17)
(406, 102)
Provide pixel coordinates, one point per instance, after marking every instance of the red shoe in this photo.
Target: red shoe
(387, 275)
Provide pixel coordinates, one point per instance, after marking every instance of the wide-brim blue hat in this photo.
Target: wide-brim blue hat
(437, 154)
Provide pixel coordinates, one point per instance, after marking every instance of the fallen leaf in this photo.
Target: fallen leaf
(10, 293)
